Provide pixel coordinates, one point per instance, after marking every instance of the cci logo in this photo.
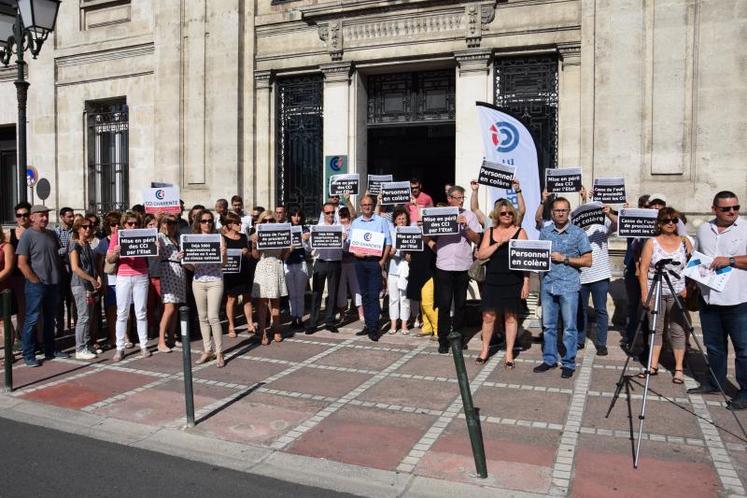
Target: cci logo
(336, 163)
(160, 194)
(505, 136)
(367, 236)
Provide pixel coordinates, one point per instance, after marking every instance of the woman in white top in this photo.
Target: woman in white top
(667, 245)
(399, 305)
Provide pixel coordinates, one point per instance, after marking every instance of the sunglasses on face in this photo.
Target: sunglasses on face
(329, 212)
(366, 205)
(667, 221)
(129, 224)
(506, 213)
(726, 209)
(85, 227)
(22, 215)
(170, 222)
(204, 222)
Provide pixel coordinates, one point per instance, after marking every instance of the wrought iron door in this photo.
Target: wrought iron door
(527, 88)
(299, 162)
(404, 98)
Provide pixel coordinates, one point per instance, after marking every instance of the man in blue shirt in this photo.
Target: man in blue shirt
(571, 250)
(368, 267)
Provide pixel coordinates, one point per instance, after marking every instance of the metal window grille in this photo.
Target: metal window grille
(108, 158)
(419, 97)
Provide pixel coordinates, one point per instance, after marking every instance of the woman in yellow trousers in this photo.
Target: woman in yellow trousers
(421, 288)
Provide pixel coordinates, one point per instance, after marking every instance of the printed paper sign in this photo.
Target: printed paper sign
(365, 243)
(699, 269)
(201, 248)
(273, 236)
(297, 236)
(375, 181)
(588, 214)
(637, 222)
(496, 174)
(529, 255)
(344, 184)
(246, 224)
(563, 180)
(440, 221)
(233, 261)
(395, 193)
(326, 236)
(138, 242)
(609, 190)
(408, 239)
(162, 200)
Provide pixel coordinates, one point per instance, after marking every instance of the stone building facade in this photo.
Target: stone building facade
(250, 96)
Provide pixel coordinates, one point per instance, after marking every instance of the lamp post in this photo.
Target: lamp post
(24, 25)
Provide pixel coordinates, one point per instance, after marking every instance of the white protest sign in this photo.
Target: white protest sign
(529, 255)
(366, 243)
(162, 200)
(699, 269)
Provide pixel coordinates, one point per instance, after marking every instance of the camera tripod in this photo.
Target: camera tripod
(654, 297)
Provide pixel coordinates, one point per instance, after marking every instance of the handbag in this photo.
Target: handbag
(477, 271)
(692, 298)
(110, 268)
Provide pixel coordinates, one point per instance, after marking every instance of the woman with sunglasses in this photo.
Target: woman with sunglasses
(297, 273)
(131, 288)
(238, 284)
(207, 287)
(269, 283)
(17, 281)
(85, 283)
(173, 289)
(667, 245)
(504, 288)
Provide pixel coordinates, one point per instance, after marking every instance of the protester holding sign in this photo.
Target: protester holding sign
(327, 266)
(297, 272)
(667, 245)
(453, 259)
(269, 283)
(368, 267)
(399, 305)
(560, 286)
(131, 288)
(173, 278)
(474, 203)
(238, 285)
(504, 289)
(348, 280)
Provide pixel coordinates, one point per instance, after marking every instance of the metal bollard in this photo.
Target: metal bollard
(8, 342)
(189, 397)
(471, 413)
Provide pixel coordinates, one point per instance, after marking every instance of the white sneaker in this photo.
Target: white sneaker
(144, 353)
(392, 331)
(118, 355)
(84, 355)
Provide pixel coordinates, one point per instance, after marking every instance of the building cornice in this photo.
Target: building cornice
(105, 55)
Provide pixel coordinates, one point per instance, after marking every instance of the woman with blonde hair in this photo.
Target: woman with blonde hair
(269, 283)
(504, 289)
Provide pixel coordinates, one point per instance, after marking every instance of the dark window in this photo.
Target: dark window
(8, 174)
(421, 97)
(527, 88)
(108, 138)
(299, 162)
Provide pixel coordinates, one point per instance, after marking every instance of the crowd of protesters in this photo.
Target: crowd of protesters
(75, 273)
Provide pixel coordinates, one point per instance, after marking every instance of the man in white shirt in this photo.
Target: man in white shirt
(723, 314)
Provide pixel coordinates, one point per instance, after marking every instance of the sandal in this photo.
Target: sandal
(654, 371)
(480, 360)
(278, 337)
(265, 339)
(678, 379)
(231, 332)
(509, 365)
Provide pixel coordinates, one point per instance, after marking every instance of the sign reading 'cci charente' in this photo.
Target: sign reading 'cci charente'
(529, 255)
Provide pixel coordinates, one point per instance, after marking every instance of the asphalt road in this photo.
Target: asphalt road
(39, 462)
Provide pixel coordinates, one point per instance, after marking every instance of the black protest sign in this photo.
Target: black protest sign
(408, 239)
(440, 221)
(344, 184)
(297, 236)
(637, 223)
(588, 214)
(138, 242)
(529, 255)
(375, 182)
(201, 248)
(563, 180)
(496, 175)
(326, 236)
(273, 236)
(609, 190)
(233, 261)
(395, 193)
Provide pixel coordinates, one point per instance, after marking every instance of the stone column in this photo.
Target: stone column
(569, 110)
(473, 83)
(337, 120)
(263, 177)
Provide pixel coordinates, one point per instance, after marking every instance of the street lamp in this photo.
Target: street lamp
(24, 25)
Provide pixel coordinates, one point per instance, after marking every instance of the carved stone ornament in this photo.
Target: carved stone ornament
(477, 17)
(331, 33)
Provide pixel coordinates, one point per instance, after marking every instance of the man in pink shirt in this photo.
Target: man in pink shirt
(418, 200)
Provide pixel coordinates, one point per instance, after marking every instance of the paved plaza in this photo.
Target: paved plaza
(394, 407)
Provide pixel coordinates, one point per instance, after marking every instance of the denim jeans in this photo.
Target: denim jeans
(368, 272)
(85, 313)
(719, 323)
(598, 291)
(567, 304)
(41, 302)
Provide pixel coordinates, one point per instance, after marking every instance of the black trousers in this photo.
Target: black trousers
(452, 285)
(329, 272)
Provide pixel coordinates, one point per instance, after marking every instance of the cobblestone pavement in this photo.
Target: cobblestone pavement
(395, 405)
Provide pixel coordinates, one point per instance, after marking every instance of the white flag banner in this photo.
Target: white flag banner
(507, 141)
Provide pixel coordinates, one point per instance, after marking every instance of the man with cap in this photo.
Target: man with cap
(39, 262)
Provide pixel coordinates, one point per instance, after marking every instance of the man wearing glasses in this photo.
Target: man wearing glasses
(327, 268)
(571, 251)
(453, 259)
(40, 263)
(724, 313)
(368, 268)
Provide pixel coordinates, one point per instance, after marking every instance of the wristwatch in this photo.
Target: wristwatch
(518, 191)
(733, 262)
(566, 261)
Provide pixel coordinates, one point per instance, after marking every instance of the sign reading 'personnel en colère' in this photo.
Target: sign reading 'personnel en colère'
(588, 214)
(496, 174)
(395, 193)
(529, 255)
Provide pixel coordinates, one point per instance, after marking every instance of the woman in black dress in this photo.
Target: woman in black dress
(504, 289)
(238, 284)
